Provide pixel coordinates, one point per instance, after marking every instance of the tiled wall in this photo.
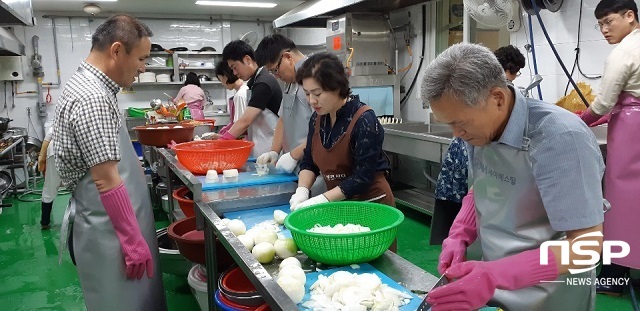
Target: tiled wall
(562, 27)
(74, 43)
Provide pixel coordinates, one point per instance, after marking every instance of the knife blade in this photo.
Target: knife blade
(425, 306)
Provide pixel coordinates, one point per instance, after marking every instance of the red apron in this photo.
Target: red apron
(622, 178)
(336, 164)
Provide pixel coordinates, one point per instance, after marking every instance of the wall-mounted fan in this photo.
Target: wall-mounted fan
(250, 38)
(492, 13)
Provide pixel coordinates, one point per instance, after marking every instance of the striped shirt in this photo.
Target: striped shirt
(566, 162)
(86, 125)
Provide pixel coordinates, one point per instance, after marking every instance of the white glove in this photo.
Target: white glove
(301, 195)
(267, 158)
(313, 201)
(286, 163)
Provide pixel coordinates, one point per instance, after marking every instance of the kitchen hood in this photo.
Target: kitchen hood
(314, 13)
(9, 43)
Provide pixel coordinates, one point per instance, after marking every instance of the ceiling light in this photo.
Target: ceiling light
(238, 4)
(91, 9)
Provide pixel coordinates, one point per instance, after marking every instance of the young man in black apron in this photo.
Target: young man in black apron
(264, 97)
(114, 238)
(535, 171)
(281, 57)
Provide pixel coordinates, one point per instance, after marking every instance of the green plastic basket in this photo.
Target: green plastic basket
(345, 249)
(137, 112)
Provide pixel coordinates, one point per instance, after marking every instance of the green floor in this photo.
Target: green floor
(32, 279)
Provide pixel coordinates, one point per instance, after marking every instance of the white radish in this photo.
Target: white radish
(247, 241)
(264, 252)
(279, 216)
(265, 235)
(291, 261)
(285, 248)
(237, 227)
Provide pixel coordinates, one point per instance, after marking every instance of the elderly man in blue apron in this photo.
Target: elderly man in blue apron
(535, 171)
(113, 234)
(263, 98)
(281, 57)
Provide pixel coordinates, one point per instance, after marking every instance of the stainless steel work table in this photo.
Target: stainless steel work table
(211, 204)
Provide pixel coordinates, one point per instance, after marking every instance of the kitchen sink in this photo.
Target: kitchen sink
(418, 127)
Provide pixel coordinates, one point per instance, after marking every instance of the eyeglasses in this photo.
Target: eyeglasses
(606, 23)
(277, 67)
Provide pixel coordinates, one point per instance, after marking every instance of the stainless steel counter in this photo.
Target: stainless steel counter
(417, 139)
(211, 204)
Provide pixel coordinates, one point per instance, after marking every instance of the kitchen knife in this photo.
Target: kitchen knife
(425, 306)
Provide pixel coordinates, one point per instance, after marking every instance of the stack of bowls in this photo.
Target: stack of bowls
(147, 77)
(163, 78)
(236, 287)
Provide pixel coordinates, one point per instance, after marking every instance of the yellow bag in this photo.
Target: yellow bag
(573, 102)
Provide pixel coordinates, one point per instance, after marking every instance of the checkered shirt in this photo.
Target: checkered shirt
(86, 125)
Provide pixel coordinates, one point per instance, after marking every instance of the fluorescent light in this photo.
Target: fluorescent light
(238, 4)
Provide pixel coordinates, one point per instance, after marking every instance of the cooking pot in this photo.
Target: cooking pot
(5, 184)
(4, 124)
(204, 78)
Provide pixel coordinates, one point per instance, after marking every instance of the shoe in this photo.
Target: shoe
(610, 290)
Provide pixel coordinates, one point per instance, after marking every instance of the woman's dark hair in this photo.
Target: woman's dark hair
(510, 58)
(606, 7)
(122, 28)
(328, 71)
(236, 50)
(222, 69)
(192, 78)
(270, 48)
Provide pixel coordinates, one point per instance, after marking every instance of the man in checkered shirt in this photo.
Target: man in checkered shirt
(113, 232)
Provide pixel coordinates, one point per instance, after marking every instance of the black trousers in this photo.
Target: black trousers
(444, 213)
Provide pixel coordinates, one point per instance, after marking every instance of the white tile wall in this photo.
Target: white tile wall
(562, 27)
(74, 44)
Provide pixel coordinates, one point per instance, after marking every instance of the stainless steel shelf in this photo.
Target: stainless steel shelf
(418, 199)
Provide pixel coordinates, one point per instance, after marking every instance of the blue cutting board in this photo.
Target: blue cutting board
(364, 268)
(247, 179)
(255, 216)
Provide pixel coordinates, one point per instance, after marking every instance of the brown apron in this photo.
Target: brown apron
(336, 164)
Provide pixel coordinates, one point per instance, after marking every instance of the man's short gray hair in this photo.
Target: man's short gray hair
(464, 71)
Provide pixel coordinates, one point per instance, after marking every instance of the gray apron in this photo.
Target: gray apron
(511, 219)
(296, 113)
(97, 250)
(261, 130)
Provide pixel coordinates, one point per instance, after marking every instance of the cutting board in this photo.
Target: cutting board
(247, 179)
(364, 268)
(255, 216)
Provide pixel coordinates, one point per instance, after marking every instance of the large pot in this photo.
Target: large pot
(5, 184)
(4, 124)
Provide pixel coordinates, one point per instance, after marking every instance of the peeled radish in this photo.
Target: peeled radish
(237, 227)
(264, 252)
(292, 287)
(294, 272)
(285, 248)
(265, 235)
(279, 216)
(291, 261)
(247, 241)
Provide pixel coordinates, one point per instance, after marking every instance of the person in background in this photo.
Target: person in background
(264, 97)
(281, 57)
(527, 189)
(193, 96)
(512, 61)
(344, 140)
(451, 186)
(113, 232)
(47, 166)
(237, 103)
(619, 101)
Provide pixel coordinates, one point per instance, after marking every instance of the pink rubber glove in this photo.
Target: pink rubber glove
(603, 120)
(226, 136)
(137, 256)
(477, 280)
(588, 117)
(462, 233)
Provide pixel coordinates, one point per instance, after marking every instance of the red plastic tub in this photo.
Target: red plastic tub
(191, 243)
(186, 205)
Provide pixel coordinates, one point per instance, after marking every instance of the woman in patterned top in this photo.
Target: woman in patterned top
(452, 186)
(344, 142)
